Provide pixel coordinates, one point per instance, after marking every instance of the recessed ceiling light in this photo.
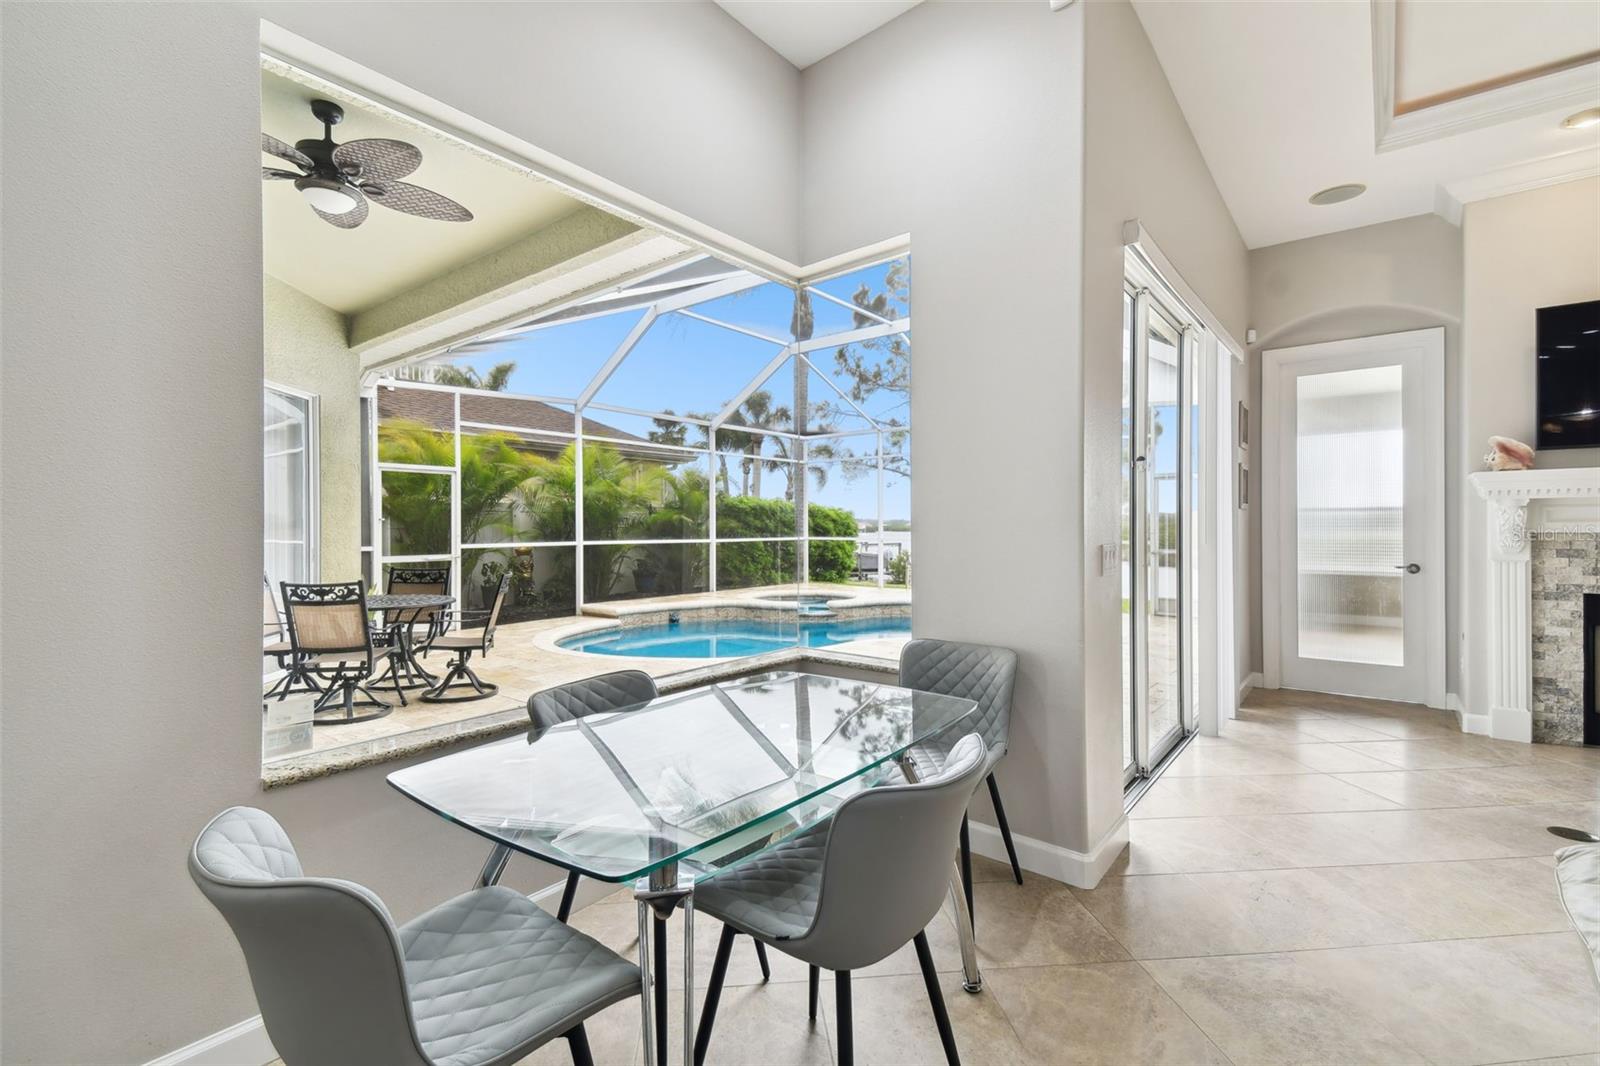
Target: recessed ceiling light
(1338, 194)
(1582, 120)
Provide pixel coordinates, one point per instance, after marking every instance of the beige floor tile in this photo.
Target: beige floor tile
(894, 1024)
(1477, 787)
(1036, 923)
(1190, 797)
(1166, 916)
(1344, 730)
(1204, 760)
(1188, 845)
(1272, 1009)
(1335, 758)
(1448, 900)
(755, 1024)
(1105, 1013)
(1406, 728)
(1446, 753)
(613, 1039)
(1359, 837)
(1522, 830)
(1468, 1001)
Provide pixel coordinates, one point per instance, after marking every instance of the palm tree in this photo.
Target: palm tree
(468, 377)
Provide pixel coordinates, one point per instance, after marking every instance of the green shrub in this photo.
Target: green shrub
(832, 560)
(750, 564)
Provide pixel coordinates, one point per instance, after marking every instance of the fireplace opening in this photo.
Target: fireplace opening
(1591, 668)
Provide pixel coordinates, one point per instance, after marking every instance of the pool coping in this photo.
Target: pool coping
(510, 720)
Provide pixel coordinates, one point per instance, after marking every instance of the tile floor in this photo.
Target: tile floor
(1335, 881)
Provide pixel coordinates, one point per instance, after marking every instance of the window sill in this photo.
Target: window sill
(295, 769)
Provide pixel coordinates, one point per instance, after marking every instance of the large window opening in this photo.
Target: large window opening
(586, 444)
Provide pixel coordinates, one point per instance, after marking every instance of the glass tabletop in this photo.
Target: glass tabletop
(714, 772)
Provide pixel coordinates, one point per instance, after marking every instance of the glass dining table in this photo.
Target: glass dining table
(664, 793)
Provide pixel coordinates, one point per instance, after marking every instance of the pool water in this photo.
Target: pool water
(728, 637)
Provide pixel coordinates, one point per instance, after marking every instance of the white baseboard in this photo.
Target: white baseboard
(1470, 723)
(245, 1043)
(1250, 681)
(1076, 868)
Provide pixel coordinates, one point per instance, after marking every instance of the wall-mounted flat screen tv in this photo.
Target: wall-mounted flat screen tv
(1568, 376)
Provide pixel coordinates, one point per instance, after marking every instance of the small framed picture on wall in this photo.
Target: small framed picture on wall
(1244, 425)
(1244, 487)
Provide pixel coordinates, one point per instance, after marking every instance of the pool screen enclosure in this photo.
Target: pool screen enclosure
(699, 430)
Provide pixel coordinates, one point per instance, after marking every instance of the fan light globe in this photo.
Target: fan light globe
(329, 197)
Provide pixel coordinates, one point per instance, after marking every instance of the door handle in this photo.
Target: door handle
(1410, 568)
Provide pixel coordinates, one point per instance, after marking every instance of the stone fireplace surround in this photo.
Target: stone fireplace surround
(1543, 543)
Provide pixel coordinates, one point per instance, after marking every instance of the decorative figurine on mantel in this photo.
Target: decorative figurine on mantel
(1507, 454)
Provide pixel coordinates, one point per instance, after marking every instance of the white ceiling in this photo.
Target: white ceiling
(1445, 47)
(390, 253)
(1280, 98)
(804, 31)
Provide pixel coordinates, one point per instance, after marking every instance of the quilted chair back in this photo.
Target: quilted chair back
(977, 672)
(323, 955)
(616, 691)
(887, 864)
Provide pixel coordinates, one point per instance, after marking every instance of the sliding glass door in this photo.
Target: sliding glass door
(1160, 520)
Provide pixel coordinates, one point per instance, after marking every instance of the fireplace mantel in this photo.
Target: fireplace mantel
(1522, 503)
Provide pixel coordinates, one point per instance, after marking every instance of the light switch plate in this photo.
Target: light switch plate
(1108, 559)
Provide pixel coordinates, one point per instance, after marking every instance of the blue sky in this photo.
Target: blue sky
(685, 365)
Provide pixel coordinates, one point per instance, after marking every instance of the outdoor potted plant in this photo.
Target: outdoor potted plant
(489, 575)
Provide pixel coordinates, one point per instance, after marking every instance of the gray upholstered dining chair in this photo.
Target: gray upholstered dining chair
(480, 980)
(850, 891)
(464, 642)
(986, 675)
(619, 690)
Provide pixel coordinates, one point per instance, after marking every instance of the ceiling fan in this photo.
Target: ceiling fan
(338, 180)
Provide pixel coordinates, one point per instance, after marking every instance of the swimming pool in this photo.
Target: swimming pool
(727, 637)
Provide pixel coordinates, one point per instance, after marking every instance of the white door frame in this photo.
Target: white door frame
(1275, 485)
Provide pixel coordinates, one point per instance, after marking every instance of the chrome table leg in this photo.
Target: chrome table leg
(647, 1028)
(971, 979)
(493, 867)
(658, 895)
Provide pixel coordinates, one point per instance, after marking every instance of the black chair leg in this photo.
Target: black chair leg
(578, 1043)
(941, 1018)
(966, 871)
(661, 989)
(844, 1023)
(816, 979)
(761, 957)
(1005, 828)
(565, 910)
(708, 1012)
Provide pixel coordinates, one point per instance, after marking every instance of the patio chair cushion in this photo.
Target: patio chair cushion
(467, 638)
(774, 894)
(277, 647)
(490, 974)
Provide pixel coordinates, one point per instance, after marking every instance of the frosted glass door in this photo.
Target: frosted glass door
(1350, 516)
(1358, 449)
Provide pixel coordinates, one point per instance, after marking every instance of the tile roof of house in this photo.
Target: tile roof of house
(435, 407)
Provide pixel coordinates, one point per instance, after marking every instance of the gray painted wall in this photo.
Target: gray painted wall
(1018, 267)
(1377, 279)
(1535, 249)
(1140, 161)
(130, 421)
(961, 124)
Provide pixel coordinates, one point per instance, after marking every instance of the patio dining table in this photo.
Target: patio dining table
(661, 794)
(414, 604)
